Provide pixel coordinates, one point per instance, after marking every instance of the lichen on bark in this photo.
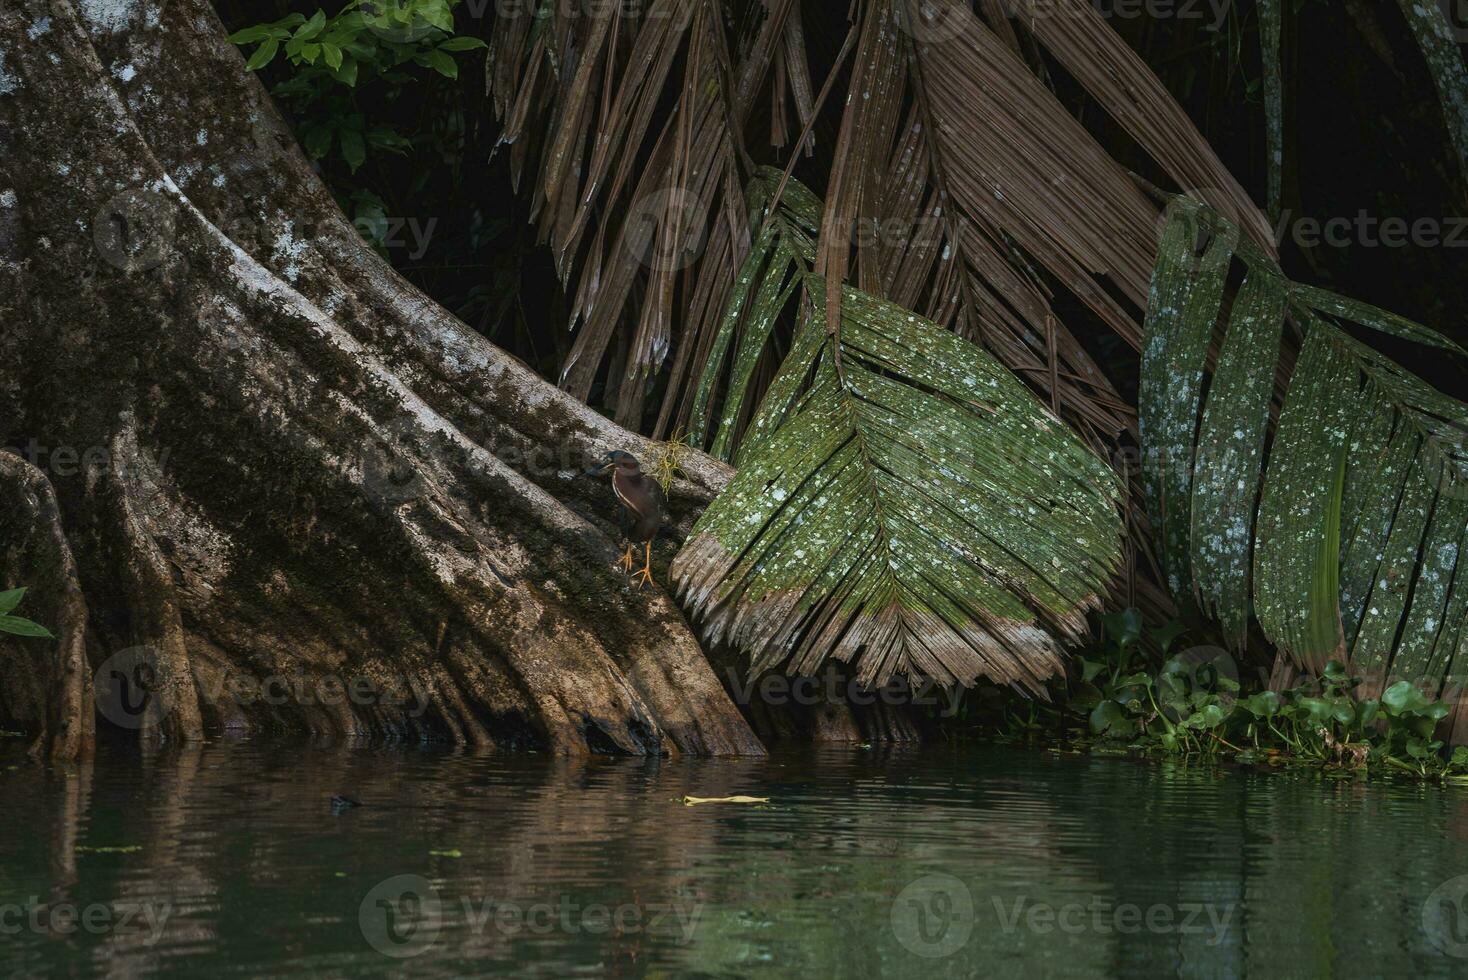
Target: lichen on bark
(288, 462)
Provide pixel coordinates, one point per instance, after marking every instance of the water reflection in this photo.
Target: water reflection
(947, 863)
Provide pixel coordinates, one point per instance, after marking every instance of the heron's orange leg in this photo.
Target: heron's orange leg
(627, 560)
(644, 575)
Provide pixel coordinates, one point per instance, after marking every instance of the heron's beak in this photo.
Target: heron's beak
(599, 469)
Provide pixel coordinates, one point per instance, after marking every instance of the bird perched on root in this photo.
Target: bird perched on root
(642, 500)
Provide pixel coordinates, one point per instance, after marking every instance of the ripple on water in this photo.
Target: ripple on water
(944, 862)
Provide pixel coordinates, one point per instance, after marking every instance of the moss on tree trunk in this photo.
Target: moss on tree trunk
(256, 453)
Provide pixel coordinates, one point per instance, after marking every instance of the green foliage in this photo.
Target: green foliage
(1352, 550)
(772, 272)
(902, 502)
(367, 43)
(18, 625)
(1192, 704)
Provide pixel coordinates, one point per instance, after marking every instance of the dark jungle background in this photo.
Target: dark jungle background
(1363, 136)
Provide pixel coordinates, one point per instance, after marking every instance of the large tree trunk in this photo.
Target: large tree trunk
(256, 451)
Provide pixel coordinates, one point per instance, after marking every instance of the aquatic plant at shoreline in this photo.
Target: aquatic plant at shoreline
(1343, 540)
(1133, 692)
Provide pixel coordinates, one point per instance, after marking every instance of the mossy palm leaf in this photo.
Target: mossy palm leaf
(903, 503)
(771, 274)
(1345, 542)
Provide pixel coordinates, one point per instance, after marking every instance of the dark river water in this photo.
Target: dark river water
(229, 858)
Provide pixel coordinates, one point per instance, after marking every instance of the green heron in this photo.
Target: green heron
(643, 501)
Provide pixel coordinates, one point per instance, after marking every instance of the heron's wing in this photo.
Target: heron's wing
(659, 501)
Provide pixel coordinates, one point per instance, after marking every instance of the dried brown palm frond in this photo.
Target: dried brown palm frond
(957, 185)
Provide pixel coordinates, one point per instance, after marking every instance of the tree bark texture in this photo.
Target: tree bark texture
(247, 458)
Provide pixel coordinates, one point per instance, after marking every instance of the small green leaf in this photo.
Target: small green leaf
(23, 627)
(439, 62)
(1367, 711)
(354, 151)
(1319, 710)
(383, 138)
(263, 55)
(461, 43)
(1105, 715)
(250, 35)
(1210, 716)
(317, 141)
(1403, 697)
(438, 14)
(1265, 704)
(331, 54)
(312, 27)
(1125, 627)
(9, 600)
(1167, 635)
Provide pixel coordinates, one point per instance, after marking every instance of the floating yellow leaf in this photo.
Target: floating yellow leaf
(695, 800)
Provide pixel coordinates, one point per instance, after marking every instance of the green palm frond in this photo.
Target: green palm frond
(1347, 538)
(772, 272)
(905, 504)
(1434, 33)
